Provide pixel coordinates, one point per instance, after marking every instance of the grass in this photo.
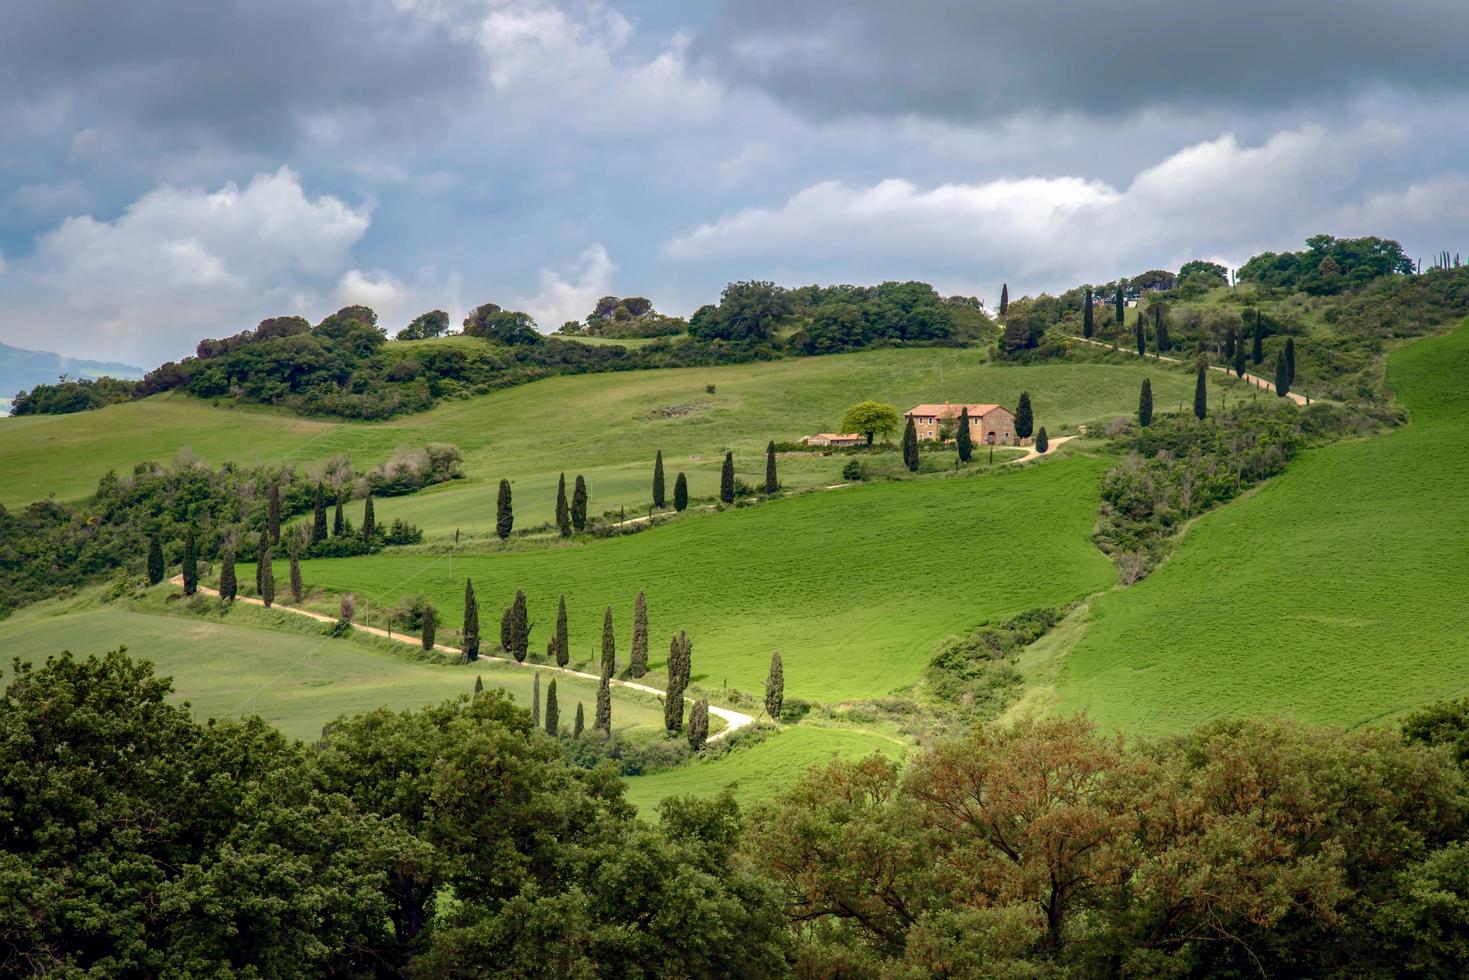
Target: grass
(854, 586)
(294, 677)
(759, 771)
(605, 426)
(1334, 594)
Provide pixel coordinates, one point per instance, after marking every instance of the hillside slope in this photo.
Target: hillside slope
(1335, 594)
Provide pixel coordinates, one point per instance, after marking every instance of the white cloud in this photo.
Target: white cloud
(377, 289)
(570, 294)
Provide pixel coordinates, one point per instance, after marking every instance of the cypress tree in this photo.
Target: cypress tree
(910, 446)
(1004, 298)
(698, 725)
(680, 493)
(581, 721)
(1282, 376)
(1121, 302)
(1258, 354)
(1041, 442)
(772, 484)
(507, 632)
(963, 441)
(638, 665)
(504, 516)
(227, 588)
(535, 701)
(1239, 359)
(680, 654)
(563, 512)
(1290, 360)
(479, 684)
(604, 707)
(1160, 329)
(579, 505)
(1024, 417)
(156, 567)
(469, 638)
(273, 513)
(561, 647)
(658, 499)
(1145, 404)
(1201, 395)
(609, 645)
(553, 711)
(428, 627)
(519, 628)
(1229, 346)
(296, 589)
(318, 514)
(369, 521)
(339, 522)
(727, 479)
(1087, 324)
(260, 550)
(1142, 336)
(191, 563)
(775, 687)
(267, 578)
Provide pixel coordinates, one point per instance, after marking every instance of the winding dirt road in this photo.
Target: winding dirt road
(1253, 379)
(733, 720)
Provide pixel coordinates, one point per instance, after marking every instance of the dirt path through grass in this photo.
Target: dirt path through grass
(1253, 379)
(733, 720)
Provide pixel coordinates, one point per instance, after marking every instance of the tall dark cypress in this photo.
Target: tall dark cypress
(1282, 377)
(772, 483)
(1239, 358)
(910, 446)
(260, 550)
(559, 643)
(563, 512)
(604, 707)
(227, 587)
(698, 725)
(1145, 404)
(580, 725)
(1290, 360)
(1087, 323)
(1024, 417)
(507, 631)
(609, 645)
(775, 687)
(1042, 443)
(504, 515)
(638, 662)
(296, 589)
(273, 513)
(469, 637)
(156, 568)
(318, 514)
(339, 521)
(429, 626)
(1201, 395)
(1004, 298)
(727, 479)
(658, 496)
(479, 684)
(963, 439)
(1257, 356)
(1160, 329)
(535, 701)
(1229, 346)
(369, 520)
(1142, 336)
(680, 493)
(579, 505)
(191, 563)
(1120, 301)
(680, 657)
(519, 628)
(267, 578)
(553, 710)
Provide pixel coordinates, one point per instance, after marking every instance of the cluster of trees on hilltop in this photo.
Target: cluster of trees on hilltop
(457, 841)
(624, 318)
(69, 395)
(1328, 265)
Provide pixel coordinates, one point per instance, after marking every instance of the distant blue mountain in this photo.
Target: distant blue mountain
(22, 370)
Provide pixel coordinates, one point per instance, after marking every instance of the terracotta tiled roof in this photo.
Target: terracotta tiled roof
(948, 410)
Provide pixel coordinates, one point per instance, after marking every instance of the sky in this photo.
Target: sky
(172, 170)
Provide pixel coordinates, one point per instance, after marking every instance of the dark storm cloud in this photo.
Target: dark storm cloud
(978, 61)
(250, 73)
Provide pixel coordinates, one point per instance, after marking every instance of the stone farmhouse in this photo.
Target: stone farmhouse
(988, 424)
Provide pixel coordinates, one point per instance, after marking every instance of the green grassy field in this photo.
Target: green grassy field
(293, 677)
(757, 772)
(1334, 594)
(606, 426)
(854, 586)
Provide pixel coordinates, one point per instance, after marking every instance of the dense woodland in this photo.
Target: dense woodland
(455, 841)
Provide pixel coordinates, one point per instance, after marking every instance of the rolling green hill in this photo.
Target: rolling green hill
(854, 586)
(1334, 594)
(606, 426)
